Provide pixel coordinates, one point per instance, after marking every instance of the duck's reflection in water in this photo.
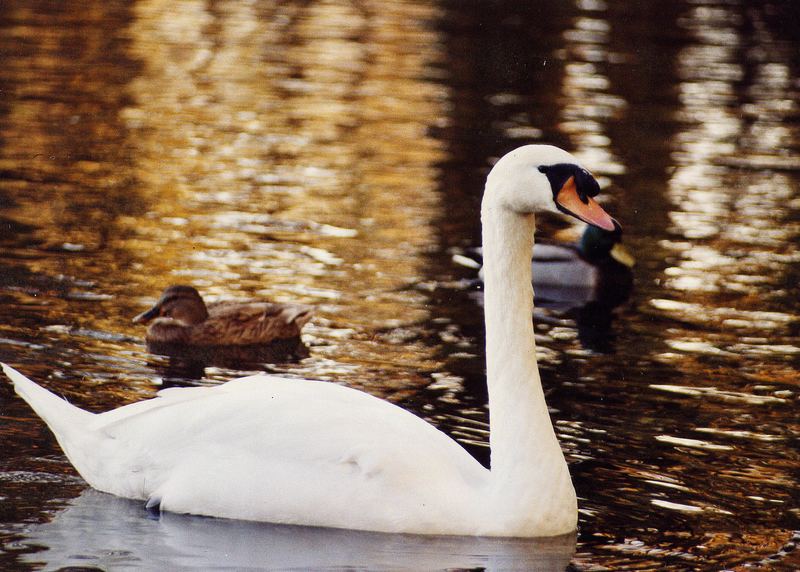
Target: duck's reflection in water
(187, 364)
(110, 533)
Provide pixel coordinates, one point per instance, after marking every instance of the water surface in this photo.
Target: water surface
(334, 154)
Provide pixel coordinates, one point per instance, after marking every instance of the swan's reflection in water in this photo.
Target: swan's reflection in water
(110, 533)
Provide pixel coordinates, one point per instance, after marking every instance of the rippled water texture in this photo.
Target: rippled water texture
(333, 153)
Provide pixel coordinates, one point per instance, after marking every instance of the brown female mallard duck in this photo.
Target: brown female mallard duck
(181, 317)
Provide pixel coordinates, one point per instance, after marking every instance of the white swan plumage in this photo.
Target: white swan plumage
(267, 448)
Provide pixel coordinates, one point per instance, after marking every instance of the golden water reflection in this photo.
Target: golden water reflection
(262, 129)
(728, 243)
(332, 153)
(588, 100)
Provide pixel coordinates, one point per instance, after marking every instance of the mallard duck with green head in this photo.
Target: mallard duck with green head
(596, 268)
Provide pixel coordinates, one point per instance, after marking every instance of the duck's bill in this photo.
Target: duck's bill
(589, 212)
(622, 255)
(146, 316)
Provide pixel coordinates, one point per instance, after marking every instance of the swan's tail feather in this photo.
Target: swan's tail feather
(61, 416)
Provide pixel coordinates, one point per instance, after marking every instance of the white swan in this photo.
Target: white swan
(305, 452)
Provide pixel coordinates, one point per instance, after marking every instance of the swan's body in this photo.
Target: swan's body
(314, 453)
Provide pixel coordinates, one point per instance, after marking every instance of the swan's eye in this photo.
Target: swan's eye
(586, 184)
(558, 175)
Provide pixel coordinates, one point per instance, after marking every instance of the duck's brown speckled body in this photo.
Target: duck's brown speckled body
(181, 317)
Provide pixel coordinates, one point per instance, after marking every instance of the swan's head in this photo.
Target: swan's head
(180, 303)
(537, 178)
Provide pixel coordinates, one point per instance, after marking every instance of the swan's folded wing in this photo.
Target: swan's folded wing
(299, 417)
(267, 448)
(166, 398)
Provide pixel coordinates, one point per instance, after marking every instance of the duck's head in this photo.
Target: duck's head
(597, 245)
(180, 303)
(536, 178)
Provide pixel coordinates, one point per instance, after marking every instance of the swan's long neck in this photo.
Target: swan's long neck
(526, 458)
